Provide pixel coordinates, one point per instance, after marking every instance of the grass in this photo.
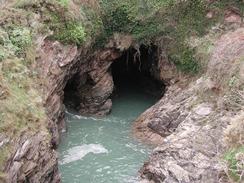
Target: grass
(185, 60)
(20, 108)
(144, 20)
(235, 167)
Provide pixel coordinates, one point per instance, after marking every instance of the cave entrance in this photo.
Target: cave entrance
(104, 149)
(135, 71)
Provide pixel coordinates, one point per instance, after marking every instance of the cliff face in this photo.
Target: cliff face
(32, 159)
(190, 122)
(35, 158)
(45, 44)
(58, 64)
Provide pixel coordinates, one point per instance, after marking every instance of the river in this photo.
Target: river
(102, 150)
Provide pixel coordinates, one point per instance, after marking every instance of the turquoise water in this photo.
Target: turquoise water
(102, 150)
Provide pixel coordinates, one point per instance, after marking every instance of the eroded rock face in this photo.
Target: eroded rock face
(95, 92)
(233, 16)
(190, 128)
(56, 64)
(34, 158)
(188, 151)
(33, 161)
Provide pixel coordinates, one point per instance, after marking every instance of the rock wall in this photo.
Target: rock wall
(189, 122)
(55, 65)
(188, 128)
(34, 158)
(95, 92)
(59, 63)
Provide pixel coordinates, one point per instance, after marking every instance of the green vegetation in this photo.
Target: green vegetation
(71, 32)
(235, 143)
(64, 2)
(130, 17)
(2, 55)
(228, 3)
(20, 104)
(147, 20)
(93, 22)
(18, 109)
(15, 40)
(185, 60)
(21, 109)
(21, 38)
(69, 26)
(172, 22)
(235, 166)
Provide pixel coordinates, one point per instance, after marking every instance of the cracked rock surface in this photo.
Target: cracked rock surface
(188, 128)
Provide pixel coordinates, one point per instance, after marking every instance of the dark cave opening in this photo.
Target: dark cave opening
(135, 70)
(71, 96)
(133, 87)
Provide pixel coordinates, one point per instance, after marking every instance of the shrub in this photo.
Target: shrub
(20, 38)
(72, 33)
(93, 22)
(147, 20)
(67, 31)
(185, 60)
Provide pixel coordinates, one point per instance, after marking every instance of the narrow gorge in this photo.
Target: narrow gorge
(102, 149)
(120, 91)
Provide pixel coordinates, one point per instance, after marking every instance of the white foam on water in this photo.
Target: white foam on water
(111, 119)
(78, 152)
